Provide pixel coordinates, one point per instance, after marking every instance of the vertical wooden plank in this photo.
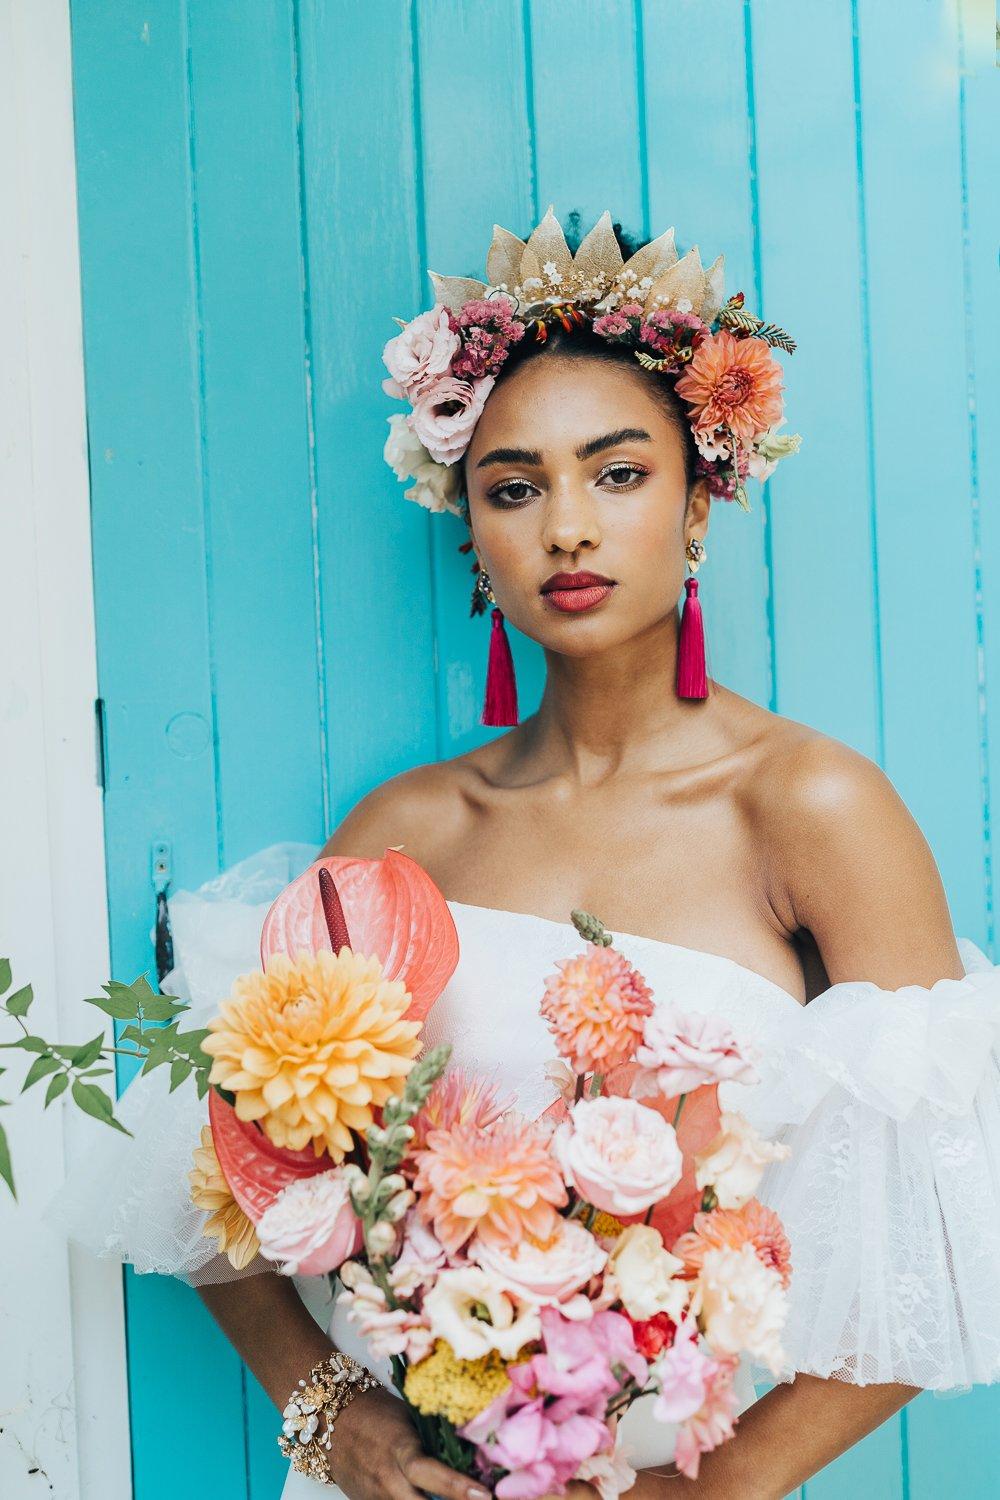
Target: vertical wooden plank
(913, 204)
(585, 106)
(141, 334)
(813, 280)
(954, 1442)
(979, 103)
(702, 181)
(254, 412)
(360, 171)
(460, 204)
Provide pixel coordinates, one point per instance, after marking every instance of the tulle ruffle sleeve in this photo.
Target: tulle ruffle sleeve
(130, 1200)
(890, 1102)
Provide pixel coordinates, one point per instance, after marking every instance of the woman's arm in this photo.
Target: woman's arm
(849, 863)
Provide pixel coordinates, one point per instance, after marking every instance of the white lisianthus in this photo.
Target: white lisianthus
(454, 1307)
(644, 1274)
(741, 1304)
(733, 1162)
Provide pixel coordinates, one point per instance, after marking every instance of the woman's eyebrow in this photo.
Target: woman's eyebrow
(585, 450)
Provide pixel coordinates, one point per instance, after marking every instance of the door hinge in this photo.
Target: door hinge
(100, 744)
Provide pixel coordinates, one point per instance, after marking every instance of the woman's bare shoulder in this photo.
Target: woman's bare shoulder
(423, 809)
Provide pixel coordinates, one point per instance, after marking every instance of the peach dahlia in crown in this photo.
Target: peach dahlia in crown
(669, 310)
(525, 1280)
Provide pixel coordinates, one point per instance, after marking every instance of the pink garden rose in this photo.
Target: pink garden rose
(445, 414)
(679, 1052)
(619, 1155)
(550, 1272)
(311, 1226)
(420, 355)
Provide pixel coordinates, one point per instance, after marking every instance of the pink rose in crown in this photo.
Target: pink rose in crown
(311, 1226)
(445, 413)
(420, 355)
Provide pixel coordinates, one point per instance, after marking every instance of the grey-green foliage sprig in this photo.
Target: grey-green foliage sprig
(591, 928)
(380, 1196)
(75, 1065)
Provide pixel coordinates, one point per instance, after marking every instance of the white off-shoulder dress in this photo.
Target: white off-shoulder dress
(889, 1100)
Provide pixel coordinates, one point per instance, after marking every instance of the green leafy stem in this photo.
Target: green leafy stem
(153, 1031)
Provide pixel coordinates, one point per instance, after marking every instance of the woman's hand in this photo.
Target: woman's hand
(376, 1455)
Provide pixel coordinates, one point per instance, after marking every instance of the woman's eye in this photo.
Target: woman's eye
(504, 494)
(623, 475)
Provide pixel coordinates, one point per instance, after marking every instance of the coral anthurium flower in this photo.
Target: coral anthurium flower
(391, 908)
(226, 1223)
(312, 1047)
(734, 383)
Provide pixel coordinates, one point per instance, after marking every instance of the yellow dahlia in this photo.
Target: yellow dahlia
(312, 1046)
(596, 1006)
(442, 1385)
(227, 1223)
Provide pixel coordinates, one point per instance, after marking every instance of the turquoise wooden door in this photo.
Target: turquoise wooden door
(261, 184)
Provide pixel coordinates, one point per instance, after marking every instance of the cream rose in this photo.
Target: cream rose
(549, 1272)
(453, 1308)
(619, 1155)
(733, 1163)
(420, 354)
(645, 1274)
(741, 1304)
(311, 1226)
(445, 414)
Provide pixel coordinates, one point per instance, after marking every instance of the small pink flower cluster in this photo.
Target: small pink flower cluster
(553, 1416)
(487, 328)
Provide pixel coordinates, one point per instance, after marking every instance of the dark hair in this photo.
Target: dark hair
(581, 342)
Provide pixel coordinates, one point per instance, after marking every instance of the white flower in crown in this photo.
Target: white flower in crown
(436, 486)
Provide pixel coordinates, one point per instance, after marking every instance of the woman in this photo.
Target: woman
(756, 862)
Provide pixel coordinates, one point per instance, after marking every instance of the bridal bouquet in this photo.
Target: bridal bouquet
(526, 1279)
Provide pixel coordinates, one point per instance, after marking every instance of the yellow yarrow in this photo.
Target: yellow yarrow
(459, 1389)
(607, 1225)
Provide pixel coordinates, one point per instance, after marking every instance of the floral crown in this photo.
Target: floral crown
(668, 310)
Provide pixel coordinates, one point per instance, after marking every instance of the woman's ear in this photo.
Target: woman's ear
(699, 503)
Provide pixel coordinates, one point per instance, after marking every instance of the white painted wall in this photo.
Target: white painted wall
(63, 1399)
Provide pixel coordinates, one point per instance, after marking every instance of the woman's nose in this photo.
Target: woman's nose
(570, 521)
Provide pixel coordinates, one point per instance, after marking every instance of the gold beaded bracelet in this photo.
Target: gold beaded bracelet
(331, 1385)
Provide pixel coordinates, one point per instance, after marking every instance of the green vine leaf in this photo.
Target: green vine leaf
(95, 1102)
(4, 975)
(57, 1086)
(88, 1052)
(40, 1068)
(19, 1002)
(6, 1167)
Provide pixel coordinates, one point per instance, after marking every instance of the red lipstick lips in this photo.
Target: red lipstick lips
(574, 592)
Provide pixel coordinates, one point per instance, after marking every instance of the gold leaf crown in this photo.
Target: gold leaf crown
(542, 271)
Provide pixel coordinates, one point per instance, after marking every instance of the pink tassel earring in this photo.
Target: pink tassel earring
(692, 681)
(500, 701)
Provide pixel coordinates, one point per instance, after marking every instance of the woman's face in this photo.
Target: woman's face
(573, 466)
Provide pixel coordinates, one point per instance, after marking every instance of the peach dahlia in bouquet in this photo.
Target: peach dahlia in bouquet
(526, 1280)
